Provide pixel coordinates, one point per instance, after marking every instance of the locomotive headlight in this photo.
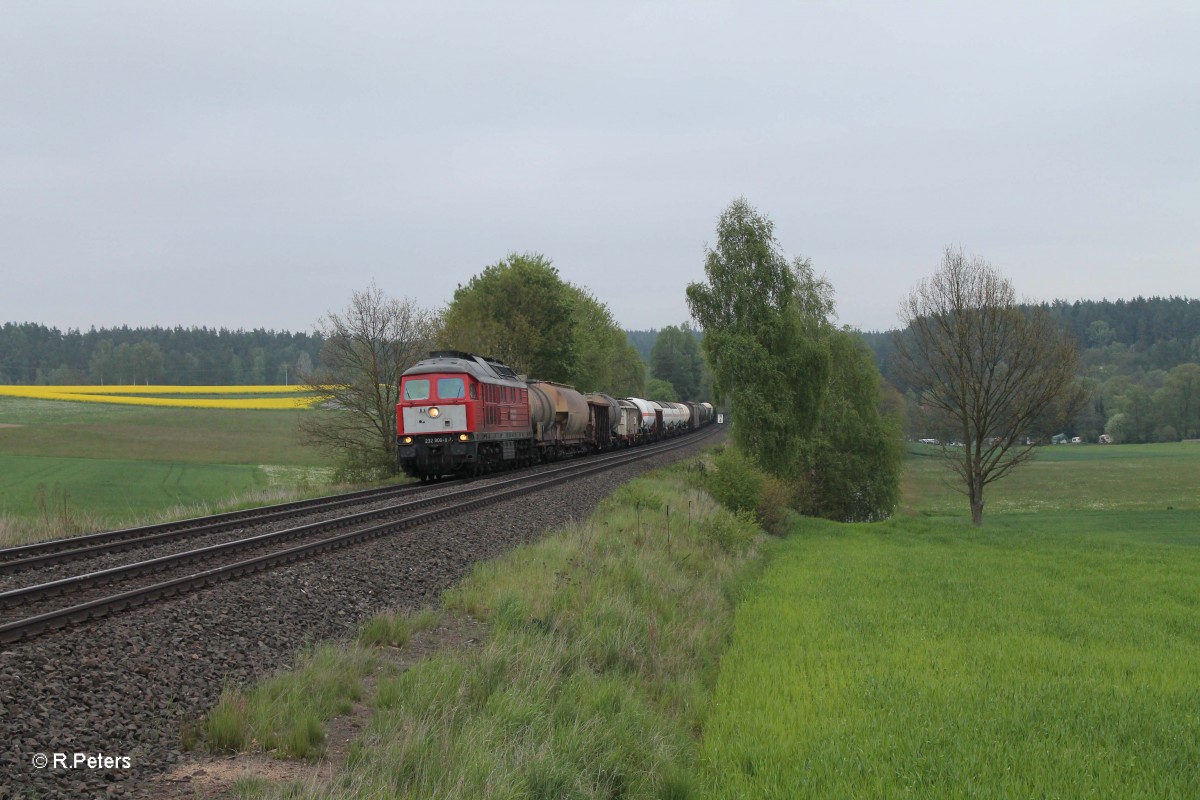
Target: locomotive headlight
(462, 437)
(434, 411)
(408, 440)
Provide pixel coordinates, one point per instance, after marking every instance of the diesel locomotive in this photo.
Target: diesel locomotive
(464, 414)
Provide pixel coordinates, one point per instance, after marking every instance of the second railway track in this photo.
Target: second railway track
(25, 612)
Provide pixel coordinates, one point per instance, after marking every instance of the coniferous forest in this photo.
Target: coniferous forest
(36, 354)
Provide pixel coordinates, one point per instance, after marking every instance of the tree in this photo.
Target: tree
(856, 456)
(756, 337)
(520, 312)
(675, 358)
(811, 392)
(996, 374)
(606, 362)
(1180, 400)
(367, 347)
(658, 389)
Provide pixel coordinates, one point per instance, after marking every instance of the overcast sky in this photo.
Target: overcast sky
(250, 164)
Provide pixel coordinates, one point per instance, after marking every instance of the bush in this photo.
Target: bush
(735, 482)
(733, 532)
(774, 501)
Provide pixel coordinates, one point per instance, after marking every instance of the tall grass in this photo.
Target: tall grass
(594, 677)
(284, 714)
(591, 684)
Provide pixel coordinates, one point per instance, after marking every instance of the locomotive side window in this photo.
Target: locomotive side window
(416, 390)
(451, 388)
(474, 394)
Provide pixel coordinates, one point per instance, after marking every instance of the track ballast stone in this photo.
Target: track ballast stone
(123, 687)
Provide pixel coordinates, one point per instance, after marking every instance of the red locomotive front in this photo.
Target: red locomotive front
(461, 414)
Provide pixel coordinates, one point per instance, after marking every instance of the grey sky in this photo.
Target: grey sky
(249, 164)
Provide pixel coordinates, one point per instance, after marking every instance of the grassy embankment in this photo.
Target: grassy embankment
(1052, 654)
(67, 467)
(592, 682)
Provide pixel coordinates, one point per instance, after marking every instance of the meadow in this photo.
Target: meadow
(67, 467)
(1054, 653)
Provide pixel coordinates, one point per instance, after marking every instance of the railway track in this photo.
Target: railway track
(34, 609)
(59, 551)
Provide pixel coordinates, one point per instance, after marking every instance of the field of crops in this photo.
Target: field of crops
(227, 397)
(71, 466)
(1055, 653)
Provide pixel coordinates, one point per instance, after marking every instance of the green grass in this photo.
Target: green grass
(1066, 478)
(591, 683)
(72, 467)
(1050, 654)
(283, 714)
(197, 435)
(115, 488)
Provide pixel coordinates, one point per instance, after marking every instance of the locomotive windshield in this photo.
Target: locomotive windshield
(416, 389)
(451, 388)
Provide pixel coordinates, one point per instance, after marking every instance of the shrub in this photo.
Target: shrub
(733, 532)
(774, 500)
(735, 482)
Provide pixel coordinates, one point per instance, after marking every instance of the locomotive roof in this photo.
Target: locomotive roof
(488, 370)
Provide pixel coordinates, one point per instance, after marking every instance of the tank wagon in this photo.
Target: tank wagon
(464, 414)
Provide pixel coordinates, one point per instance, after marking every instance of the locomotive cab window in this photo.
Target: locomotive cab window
(451, 388)
(416, 390)
(474, 393)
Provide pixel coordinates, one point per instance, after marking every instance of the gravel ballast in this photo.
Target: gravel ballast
(123, 687)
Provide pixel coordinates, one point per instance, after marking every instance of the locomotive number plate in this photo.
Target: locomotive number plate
(437, 439)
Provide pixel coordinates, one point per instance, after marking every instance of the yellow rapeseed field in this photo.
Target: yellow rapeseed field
(139, 395)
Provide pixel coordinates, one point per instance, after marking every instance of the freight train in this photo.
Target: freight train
(463, 414)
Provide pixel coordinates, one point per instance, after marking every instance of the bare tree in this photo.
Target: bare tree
(367, 346)
(996, 374)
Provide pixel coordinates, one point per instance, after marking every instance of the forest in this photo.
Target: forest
(31, 353)
(1141, 361)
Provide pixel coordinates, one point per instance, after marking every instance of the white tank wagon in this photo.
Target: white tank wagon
(676, 416)
(646, 411)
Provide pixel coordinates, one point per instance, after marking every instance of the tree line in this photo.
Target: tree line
(32, 353)
(1139, 364)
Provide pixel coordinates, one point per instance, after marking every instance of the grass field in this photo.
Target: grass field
(1055, 653)
(68, 466)
(1067, 478)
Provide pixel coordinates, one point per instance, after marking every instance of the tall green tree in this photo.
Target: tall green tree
(805, 395)
(1179, 400)
(676, 359)
(767, 362)
(519, 311)
(606, 361)
(658, 389)
(855, 458)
